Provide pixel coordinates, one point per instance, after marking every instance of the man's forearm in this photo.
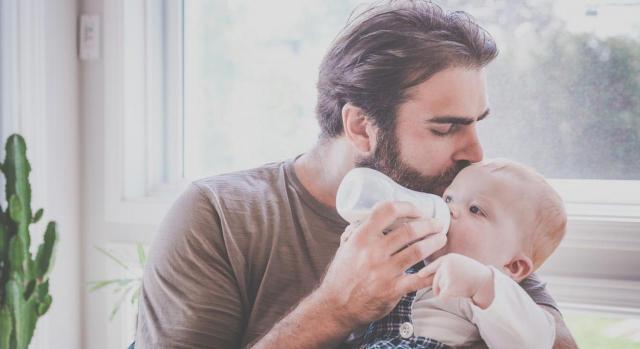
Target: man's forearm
(312, 324)
(564, 339)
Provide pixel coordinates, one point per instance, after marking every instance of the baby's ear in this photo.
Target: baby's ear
(519, 267)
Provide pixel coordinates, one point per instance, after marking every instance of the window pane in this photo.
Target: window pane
(250, 74)
(565, 89)
(595, 331)
(564, 92)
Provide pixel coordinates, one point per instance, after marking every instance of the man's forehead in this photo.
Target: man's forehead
(455, 92)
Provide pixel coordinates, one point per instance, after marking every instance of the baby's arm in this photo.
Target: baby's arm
(504, 313)
(513, 319)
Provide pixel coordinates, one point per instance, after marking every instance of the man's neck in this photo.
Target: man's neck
(321, 170)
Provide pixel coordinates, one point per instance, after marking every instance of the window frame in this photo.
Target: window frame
(130, 94)
(603, 214)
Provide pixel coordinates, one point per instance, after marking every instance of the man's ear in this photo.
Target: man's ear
(519, 267)
(358, 128)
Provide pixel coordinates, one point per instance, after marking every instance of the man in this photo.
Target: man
(252, 258)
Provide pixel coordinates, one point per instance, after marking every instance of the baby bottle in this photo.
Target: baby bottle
(363, 187)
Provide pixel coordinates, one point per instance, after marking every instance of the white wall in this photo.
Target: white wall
(48, 117)
(63, 170)
(98, 229)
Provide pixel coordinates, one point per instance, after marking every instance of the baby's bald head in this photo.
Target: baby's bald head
(548, 217)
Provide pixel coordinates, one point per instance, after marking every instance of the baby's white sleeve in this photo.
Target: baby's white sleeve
(513, 320)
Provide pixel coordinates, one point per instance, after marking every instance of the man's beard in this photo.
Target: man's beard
(386, 159)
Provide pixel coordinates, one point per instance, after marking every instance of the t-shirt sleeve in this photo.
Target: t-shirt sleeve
(537, 290)
(190, 297)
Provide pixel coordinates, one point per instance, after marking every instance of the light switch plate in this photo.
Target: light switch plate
(89, 37)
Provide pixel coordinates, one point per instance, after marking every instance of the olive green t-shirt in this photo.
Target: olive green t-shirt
(236, 253)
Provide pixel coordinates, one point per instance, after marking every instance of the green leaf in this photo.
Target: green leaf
(30, 268)
(16, 170)
(15, 208)
(111, 256)
(4, 242)
(37, 216)
(136, 296)
(17, 255)
(96, 285)
(116, 307)
(44, 306)
(142, 258)
(24, 314)
(44, 256)
(42, 290)
(6, 327)
(31, 286)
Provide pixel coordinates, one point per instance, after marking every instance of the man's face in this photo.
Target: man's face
(435, 133)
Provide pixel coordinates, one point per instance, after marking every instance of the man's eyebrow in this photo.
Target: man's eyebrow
(450, 119)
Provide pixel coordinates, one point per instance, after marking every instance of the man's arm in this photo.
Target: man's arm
(564, 339)
(190, 296)
(364, 281)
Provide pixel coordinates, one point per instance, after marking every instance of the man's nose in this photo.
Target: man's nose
(471, 149)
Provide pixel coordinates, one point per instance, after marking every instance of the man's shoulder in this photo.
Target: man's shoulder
(259, 183)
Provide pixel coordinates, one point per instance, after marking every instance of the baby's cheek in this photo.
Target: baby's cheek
(467, 243)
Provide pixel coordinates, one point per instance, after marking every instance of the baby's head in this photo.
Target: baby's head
(504, 214)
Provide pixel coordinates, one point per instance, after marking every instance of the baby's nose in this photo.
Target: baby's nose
(454, 211)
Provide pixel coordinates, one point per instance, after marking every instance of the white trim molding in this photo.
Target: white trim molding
(143, 74)
(604, 235)
(601, 200)
(600, 295)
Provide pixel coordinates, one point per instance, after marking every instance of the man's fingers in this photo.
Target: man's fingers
(412, 282)
(410, 232)
(348, 232)
(419, 250)
(431, 268)
(383, 215)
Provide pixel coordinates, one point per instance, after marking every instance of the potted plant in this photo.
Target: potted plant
(24, 282)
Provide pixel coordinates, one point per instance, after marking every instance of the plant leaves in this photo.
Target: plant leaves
(142, 258)
(112, 257)
(37, 216)
(6, 327)
(17, 256)
(44, 257)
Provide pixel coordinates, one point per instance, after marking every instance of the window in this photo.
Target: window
(598, 330)
(564, 90)
(250, 74)
(232, 85)
(564, 94)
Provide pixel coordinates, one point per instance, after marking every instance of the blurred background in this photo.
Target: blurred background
(123, 102)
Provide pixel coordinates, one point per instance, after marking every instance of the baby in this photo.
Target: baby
(505, 222)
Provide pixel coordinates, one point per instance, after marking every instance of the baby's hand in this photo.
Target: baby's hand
(460, 276)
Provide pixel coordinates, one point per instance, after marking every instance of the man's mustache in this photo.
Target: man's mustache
(447, 176)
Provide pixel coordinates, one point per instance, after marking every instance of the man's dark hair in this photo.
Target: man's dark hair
(389, 48)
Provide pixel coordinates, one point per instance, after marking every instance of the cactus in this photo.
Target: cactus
(24, 284)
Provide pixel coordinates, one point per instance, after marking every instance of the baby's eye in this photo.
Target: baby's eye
(476, 210)
(447, 199)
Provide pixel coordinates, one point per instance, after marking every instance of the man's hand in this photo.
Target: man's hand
(367, 277)
(455, 275)
(365, 280)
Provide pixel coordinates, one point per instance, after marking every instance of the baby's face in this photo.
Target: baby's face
(488, 213)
